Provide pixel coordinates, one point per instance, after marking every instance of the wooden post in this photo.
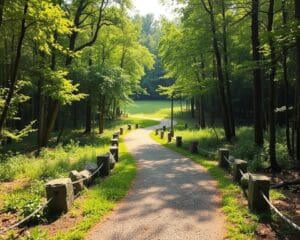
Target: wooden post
(114, 142)
(223, 154)
(194, 147)
(116, 135)
(164, 128)
(129, 127)
(121, 131)
(169, 137)
(185, 126)
(179, 141)
(114, 150)
(136, 126)
(105, 170)
(156, 132)
(258, 184)
(162, 134)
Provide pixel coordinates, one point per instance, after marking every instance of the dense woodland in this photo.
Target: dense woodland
(70, 71)
(61, 60)
(67, 64)
(239, 61)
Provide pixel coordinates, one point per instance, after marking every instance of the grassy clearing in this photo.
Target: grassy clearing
(74, 152)
(154, 109)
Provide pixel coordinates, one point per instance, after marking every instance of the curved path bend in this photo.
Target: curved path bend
(171, 198)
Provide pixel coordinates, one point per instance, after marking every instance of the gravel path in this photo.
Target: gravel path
(172, 198)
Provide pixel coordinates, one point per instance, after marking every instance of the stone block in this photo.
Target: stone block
(223, 154)
(75, 176)
(114, 150)
(258, 184)
(91, 167)
(179, 141)
(62, 194)
(238, 166)
(87, 175)
(245, 180)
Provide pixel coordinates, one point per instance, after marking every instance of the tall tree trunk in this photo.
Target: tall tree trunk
(272, 90)
(297, 16)
(223, 98)
(52, 112)
(286, 85)
(15, 67)
(226, 71)
(257, 103)
(1, 11)
(88, 118)
(193, 107)
(201, 112)
(41, 115)
(102, 112)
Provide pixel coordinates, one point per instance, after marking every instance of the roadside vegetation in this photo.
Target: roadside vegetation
(23, 177)
(241, 223)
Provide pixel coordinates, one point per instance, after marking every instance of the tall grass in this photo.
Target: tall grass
(73, 153)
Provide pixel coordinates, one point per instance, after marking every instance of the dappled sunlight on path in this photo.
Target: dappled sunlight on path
(172, 198)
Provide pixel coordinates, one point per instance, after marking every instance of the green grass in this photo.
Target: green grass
(57, 162)
(154, 109)
(102, 198)
(241, 223)
(74, 152)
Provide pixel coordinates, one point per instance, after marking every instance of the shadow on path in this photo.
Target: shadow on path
(172, 198)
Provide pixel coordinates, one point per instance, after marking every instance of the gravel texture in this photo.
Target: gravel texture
(172, 198)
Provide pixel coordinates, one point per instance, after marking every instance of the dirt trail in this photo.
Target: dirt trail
(172, 198)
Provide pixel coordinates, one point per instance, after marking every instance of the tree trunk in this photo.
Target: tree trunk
(272, 89)
(297, 16)
(201, 110)
(226, 72)
(88, 118)
(1, 11)
(15, 68)
(286, 86)
(257, 103)
(193, 107)
(101, 122)
(41, 116)
(224, 100)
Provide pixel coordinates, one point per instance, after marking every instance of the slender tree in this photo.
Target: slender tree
(257, 94)
(15, 68)
(297, 16)
(272, 90)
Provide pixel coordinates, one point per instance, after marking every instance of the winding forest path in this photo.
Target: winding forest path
(172, 198)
